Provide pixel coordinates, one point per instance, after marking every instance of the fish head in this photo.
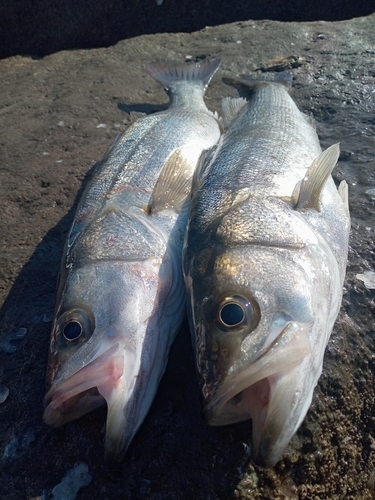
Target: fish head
(105, 340)
(260, 318)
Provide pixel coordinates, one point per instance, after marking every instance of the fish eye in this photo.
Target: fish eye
(72, 330)
(74, 325)
(237, 312)
(232, 314)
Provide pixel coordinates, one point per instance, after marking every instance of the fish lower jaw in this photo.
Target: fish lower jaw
(84, 391)
(268, 393)
(251, 403)
(73, 408)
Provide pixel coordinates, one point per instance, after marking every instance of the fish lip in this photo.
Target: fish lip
(264, 367)
(108, 364)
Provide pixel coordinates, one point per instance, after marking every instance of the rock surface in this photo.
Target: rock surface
(57, 117)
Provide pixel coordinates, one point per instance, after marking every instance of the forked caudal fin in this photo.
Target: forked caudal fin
(168, 73)
(250, 81)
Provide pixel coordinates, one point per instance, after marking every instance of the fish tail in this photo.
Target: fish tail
(249, 82)
(168, 73)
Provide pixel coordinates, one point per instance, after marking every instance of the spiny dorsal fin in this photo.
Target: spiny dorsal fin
(173, 184)
(344, 193)
(167, 73)
(231, 106)
(315, 178)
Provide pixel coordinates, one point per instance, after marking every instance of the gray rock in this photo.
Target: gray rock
(332, 455)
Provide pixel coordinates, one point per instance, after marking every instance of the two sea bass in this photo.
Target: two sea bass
(264, 263)
(121, 296)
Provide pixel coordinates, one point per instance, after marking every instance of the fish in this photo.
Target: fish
(121, 297)
(264, 263)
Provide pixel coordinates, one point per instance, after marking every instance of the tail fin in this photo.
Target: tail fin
(167, 73)
(248, 82)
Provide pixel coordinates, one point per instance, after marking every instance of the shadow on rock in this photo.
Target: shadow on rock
(148, 109)
(25, 320)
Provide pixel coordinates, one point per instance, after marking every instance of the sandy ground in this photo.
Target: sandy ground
(57, 117)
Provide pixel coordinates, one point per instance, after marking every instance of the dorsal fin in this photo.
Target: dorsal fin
(344, 193)
(231, 106)
(173, 184)
(315, 178)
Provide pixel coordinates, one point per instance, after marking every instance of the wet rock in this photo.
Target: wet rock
(175, 455)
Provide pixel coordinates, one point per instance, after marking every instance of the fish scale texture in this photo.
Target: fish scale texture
(250, 246)
(121, 296)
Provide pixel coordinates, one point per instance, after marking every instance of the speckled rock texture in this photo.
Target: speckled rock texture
(57, 117)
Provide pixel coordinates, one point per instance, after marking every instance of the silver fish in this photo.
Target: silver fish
(264, 264)
(121, 296)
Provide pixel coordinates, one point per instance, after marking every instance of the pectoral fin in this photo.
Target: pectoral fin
(316, 177)
(173, 184)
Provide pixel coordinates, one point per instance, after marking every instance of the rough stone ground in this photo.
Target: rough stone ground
(52, 117)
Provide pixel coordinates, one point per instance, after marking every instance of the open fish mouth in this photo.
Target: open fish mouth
(265, 391)
(85, 390)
